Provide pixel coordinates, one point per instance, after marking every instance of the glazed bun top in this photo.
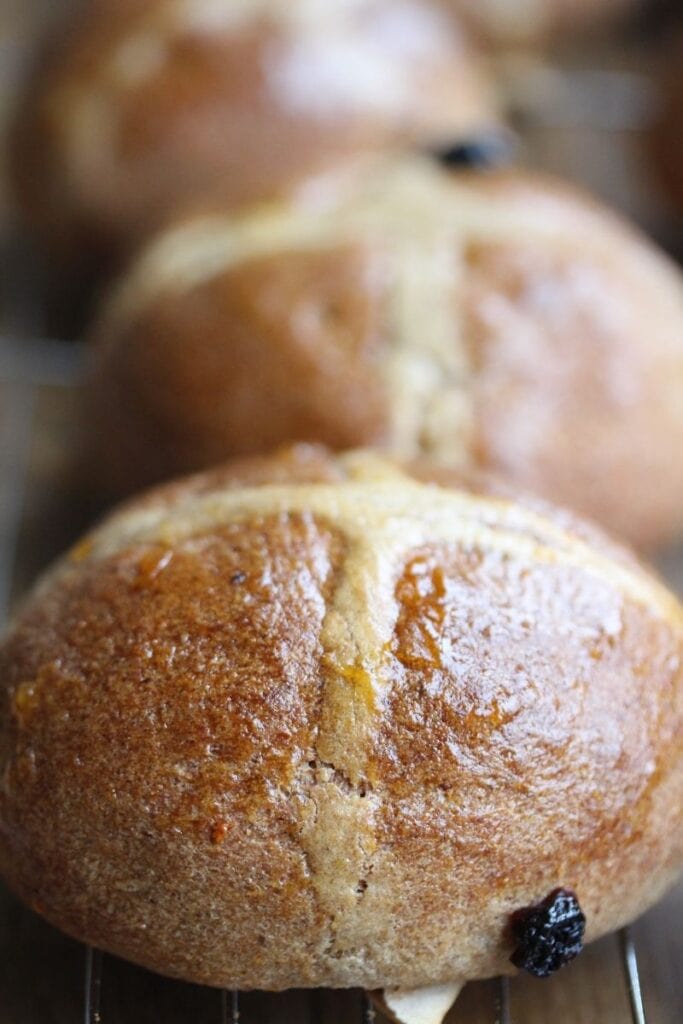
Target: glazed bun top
(319, 720)
(499, 319)
(144, 105)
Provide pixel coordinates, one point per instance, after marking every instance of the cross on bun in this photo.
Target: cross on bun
(498, 320)
(317, 720)
(144, 105)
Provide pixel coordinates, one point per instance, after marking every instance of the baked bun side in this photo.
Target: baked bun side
(538, 22)
(499, 320)
(142, 107)
(313, 721)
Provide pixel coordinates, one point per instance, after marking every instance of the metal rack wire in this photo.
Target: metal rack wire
(25, 366)
(229, 1002)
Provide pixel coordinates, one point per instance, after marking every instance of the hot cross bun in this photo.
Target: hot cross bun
(317, 720)
(142, 105)
(492, 319)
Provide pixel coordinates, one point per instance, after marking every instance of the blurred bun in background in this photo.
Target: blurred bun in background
(496, 320)
(513, 22)
(142, 105)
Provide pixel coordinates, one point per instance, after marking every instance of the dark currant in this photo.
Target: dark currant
(549, 934)
(491, 150)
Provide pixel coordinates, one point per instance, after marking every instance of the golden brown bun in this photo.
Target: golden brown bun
(498, 320)
(311, 720)
(144, 105)
(506, 23)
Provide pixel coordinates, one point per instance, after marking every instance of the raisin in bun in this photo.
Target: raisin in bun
(497, 320)
(143, 105)
(506, 23)
(317, 720)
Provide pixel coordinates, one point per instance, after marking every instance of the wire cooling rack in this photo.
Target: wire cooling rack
(228, 1003)
(25, 368)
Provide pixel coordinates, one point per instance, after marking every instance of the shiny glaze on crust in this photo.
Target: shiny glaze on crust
(173, 726)
(486, 659)
(345, 721)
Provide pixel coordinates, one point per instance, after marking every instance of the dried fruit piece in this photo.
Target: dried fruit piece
(494, 149)
(549, 934)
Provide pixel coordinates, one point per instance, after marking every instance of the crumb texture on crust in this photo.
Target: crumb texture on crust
(501, 320)
(313, 721)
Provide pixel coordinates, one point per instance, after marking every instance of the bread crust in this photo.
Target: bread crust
(142, 107)
(310, 720)
(538, 22)
(499, 320)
